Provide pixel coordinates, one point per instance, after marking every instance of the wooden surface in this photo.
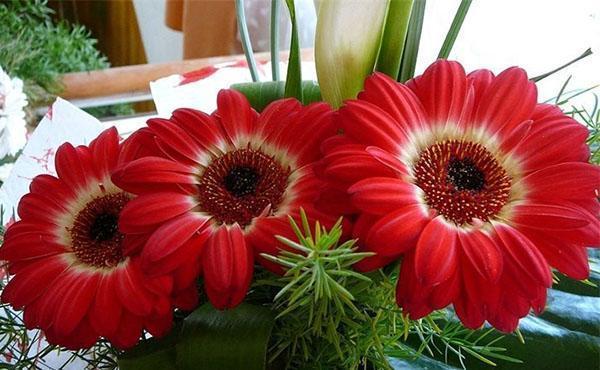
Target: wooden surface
(134, 79)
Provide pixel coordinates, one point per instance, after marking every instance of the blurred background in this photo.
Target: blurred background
(538, 35)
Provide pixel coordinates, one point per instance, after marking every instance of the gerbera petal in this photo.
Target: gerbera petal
(170, 236)
(128, 282)
(481, 79)
(29, 246)
(177, 143)
(548, 217)
(523, 253)
(105, 152)
(71, 167)
(76, 302)
(105, 313)
(411, 295)
(483, 253)
(381, 195)
(33, 280)
(571, 180)
(129, 331)
(387, 159)
(153, 170)
(361, 119)
(140, 143)
(509, 100)
(159, 326)
(147, 210)
(186, 299)
(436, 252)
(228, 265)
(236, 116)
(203, 128)
(443, 90)
(398, 231)
(551, 140)
(304, 136)
(395, 99)
(568, 258)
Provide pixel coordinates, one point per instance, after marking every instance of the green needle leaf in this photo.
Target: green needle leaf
(585, 54)
(293, 85)
(394, 37)
(413, 39)
(452, 34)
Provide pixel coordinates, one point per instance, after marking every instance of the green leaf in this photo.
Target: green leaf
(394, 37)
(262, 94)
(225, 340)
(452, 34)
(152, 354)
(413, 39)
(293, 85)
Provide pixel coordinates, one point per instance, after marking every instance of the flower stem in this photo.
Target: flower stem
(245, 38)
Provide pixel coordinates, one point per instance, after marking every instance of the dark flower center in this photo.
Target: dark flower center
(104, 227)
(465, 175)
(241, 181)
(95, 236)
(462, 181)
(240, 185)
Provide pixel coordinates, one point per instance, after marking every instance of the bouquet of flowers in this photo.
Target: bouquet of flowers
(377, 219)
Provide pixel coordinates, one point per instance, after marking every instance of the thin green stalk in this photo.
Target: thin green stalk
(275, 39)
(245, 38)
(413, 39)
(394, 37)
(293, 83)
(585, 54)
(452, 34)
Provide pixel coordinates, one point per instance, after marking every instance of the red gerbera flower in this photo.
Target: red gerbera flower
(73, 275)
(481, 188)
(223, 186)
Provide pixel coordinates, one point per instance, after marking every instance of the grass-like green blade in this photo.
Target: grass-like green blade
(245, 38)
(394, 37)
(413, 39)
(452, 34)
(585, 54)
(293, 85)
(275, 39)
(225, 340)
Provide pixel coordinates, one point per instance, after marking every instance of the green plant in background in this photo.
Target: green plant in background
(38, 50)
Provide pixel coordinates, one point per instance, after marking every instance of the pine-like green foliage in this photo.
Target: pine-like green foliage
(331, 317)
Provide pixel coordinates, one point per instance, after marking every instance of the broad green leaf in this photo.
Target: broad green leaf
(225, 340)
(452, 34)
(394, 36)
(293, 84)
(152, 354)
(413, 40)
(347, 42)
(263, 93)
